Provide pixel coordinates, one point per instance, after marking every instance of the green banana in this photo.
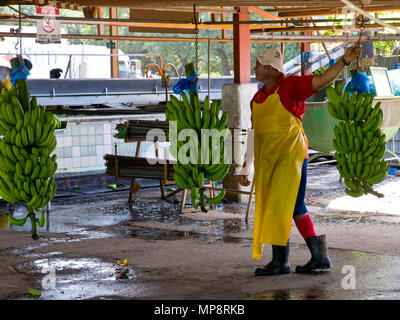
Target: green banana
(28, 167)
(355, 193)
(339, 88)
(27, 117)
(6, 194)
(342, 112)
(206, 113)
(222, 122)
(10, 114)
(368, 107)
(17, 222)
(189, 111)
(332, 95)
(378, 178)
(24, 136)
(375, 110)
(332, 110)
(33, 118)
(42, 220)
(17, 108)
(197, 112)
(47, 140)
(217, 199)
(30, 134)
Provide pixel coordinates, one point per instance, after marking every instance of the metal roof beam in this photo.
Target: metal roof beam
(233, 3)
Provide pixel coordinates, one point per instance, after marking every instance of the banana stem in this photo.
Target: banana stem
(377, 194)
(22, 85)
(34, 227)
(202, 205)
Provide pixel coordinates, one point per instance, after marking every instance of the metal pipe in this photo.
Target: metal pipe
(128, 38)
(208, 67)
(108, 93)
(88, 54)
(106, 21)
(256, 39)
(303, 38)
(322, 162)
(286, 21)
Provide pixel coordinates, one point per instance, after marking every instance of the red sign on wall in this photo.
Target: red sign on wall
(47, 11)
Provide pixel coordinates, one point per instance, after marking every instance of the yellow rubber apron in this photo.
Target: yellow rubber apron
(279, 152)
(6, 82)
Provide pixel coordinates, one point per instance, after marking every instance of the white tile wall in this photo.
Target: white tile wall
(84, 161)
(107, 139)
(76, 162)
(76, 152)
(99, 150)
(67, 141)
(67, 163)
(82, 145)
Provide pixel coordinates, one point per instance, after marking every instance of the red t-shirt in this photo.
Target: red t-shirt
(293, 91)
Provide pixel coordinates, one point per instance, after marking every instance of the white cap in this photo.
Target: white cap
(271, 57)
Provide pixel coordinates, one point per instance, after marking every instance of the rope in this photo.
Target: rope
(361, 28)
(196, 48)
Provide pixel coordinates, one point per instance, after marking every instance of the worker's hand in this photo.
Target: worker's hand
(352, 53)
(243, 180)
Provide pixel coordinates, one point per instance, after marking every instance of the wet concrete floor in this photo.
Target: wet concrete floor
(191, 256)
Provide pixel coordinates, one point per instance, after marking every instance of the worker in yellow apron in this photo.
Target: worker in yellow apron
(280, 158)
(5, 78)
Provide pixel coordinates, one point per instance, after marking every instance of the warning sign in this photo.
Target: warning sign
(47, 11)
(48, 30)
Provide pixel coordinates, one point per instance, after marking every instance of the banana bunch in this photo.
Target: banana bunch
(359, 141)
(26, 164)
(207, 157)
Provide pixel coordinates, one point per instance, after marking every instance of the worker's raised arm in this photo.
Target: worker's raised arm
(324, 79)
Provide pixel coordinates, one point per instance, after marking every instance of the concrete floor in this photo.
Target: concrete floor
(199, 255)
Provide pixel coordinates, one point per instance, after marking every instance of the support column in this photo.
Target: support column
(305, 46)
(241, 47)
(100, 27)
(113, 13)
(236, 100)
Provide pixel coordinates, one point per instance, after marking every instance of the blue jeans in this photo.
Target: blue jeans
(367, 50)
(300, 207)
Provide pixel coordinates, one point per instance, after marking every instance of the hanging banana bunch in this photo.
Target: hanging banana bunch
(359, 141)
(207, 159)
(26, 167)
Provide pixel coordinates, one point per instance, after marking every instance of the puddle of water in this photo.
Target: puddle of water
(292, 294)
(336, 219)
(88, 220)
(165, 234)
(82, 279)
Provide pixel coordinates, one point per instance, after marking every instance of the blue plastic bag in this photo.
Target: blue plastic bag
(18, 73)
(331, 62)
(186, 84)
